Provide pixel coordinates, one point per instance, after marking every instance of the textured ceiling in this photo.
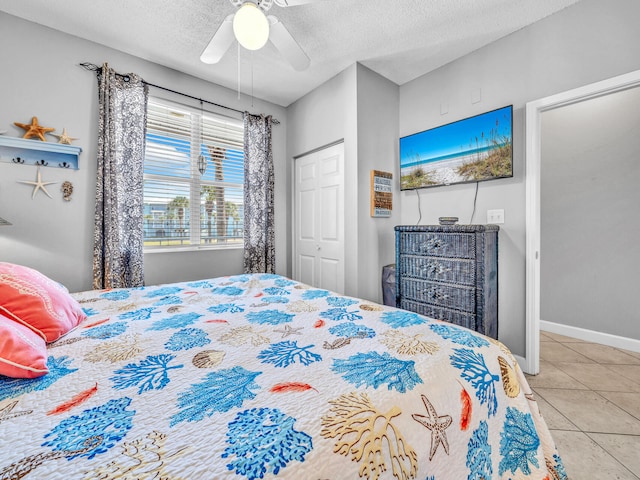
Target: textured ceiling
(399, 39)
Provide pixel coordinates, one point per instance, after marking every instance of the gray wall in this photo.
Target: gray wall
(41, 77)
(360, 107)
(324, 116)
(377, 150)
(587, 42)
(589, 218)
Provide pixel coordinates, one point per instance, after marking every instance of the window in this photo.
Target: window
(182, 207)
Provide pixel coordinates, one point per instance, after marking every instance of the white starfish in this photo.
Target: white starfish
(38, 185)
(64, 138)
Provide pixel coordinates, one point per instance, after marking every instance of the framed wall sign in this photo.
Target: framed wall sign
(381, 193)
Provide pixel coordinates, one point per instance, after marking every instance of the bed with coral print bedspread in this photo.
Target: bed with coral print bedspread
(258, 376)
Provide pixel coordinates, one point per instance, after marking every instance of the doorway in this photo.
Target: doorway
(534, 111)
(319, 250)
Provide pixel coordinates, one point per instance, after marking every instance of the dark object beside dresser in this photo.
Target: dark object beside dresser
(449, 272)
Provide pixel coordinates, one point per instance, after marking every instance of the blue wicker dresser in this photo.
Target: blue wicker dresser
(449, 272)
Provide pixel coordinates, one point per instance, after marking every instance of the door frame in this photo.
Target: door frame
(294, 206)
(534, 110)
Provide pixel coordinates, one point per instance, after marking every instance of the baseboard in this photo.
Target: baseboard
(591, 336)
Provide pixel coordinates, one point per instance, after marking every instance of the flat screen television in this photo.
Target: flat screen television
(470, 150)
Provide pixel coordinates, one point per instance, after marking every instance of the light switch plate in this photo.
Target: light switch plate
(495, 216)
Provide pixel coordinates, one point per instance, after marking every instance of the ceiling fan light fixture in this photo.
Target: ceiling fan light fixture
(250, 26)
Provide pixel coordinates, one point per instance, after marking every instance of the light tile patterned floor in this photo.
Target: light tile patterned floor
(589, 395)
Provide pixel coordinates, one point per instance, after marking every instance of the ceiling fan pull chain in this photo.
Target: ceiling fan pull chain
(251, 79)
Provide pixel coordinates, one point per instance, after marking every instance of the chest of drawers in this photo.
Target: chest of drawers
(449, 272)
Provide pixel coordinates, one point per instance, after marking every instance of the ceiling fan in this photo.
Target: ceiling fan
(252, 28)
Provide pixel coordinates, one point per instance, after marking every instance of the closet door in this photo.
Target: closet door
(319, 218)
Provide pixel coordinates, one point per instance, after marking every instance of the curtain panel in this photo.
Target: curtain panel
(118, 234)
(259, 234)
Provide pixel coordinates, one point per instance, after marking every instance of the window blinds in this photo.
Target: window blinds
(184, 207)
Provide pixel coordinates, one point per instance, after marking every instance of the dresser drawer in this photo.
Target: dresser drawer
(458, 297)
(457, 271)
(464, 319)
(453, 245)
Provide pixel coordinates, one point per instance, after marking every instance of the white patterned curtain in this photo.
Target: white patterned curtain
(118, 234)
(259, 236)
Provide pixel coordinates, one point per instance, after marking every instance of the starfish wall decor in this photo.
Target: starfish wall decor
(38, 185)
(64, 138)
(33, 129)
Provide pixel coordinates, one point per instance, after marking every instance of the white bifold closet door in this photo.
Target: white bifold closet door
(319, 218)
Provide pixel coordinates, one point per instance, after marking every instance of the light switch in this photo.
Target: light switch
(495, 216)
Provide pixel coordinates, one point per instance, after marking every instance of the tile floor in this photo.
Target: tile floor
(589, 395)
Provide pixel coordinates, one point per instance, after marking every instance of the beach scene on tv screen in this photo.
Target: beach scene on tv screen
(474, 149)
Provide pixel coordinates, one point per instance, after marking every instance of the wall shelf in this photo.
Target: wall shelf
(35, 152)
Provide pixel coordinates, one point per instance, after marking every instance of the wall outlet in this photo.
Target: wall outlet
(495, 216)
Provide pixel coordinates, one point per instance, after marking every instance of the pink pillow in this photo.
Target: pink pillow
(23, 353)
(34, 300)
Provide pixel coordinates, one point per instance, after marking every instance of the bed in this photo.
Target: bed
(259, 376)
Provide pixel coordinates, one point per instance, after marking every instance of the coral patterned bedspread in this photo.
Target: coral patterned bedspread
(258, 376)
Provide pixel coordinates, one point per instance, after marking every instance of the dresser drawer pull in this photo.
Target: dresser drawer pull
(434, 294)
(433, 268)
(434, 244)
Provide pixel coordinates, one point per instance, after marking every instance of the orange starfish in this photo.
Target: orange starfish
(33, 129)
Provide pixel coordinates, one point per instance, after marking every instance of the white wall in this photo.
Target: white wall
(41, 77)
(590, 223)
(587, 42)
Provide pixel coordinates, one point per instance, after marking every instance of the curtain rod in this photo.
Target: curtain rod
(95, 68)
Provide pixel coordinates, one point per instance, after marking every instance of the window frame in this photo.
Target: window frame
(195, 181)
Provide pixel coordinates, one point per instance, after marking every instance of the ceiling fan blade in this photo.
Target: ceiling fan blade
(286, 44)
(220, 42)
(293, 3)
